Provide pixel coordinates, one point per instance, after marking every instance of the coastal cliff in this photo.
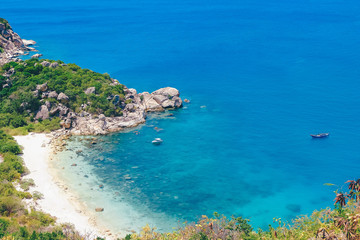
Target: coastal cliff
(11, 45)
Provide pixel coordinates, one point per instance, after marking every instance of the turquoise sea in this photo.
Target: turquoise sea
(269, 73)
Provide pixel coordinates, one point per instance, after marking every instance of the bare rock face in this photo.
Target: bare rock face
(159, 100)
(45, 63)
(54, 65)
(90, 90)
(38, 55)
(167, 91)
(36, 93)
(66, 123)
(149, 103)
(63, 110)
(89, 125)
(11, 44)
(60, 110)
(52, 94)
(63, 98)
(168, 104)
(28, 42)
(177, 102)
(48, 105)
(42, 87)
(43, 113)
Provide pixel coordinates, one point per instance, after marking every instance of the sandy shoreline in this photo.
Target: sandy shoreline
(57, 201)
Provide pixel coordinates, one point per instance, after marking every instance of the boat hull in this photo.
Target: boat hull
(320, 135)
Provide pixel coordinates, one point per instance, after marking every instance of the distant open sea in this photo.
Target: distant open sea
(269, 73)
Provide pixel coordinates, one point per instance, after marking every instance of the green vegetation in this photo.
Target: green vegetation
(341, 223)
(20, 101)
(25, 184)
(6, 23)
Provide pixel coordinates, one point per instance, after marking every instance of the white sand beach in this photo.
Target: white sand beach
(57, 201)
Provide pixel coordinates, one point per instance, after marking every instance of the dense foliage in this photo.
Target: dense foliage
(5, 22)
(19, 101)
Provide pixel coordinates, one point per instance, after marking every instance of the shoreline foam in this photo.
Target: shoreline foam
(56, 200)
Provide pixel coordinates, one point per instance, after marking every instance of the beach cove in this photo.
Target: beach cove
(57, 201)
(261, 76)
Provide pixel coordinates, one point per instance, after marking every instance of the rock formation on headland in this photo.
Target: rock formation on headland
(127, 107)
(11, 45)
(134, 112)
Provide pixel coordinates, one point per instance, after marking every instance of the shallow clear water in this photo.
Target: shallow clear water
(269, 73)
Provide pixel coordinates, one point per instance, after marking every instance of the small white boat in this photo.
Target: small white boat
(157, 141)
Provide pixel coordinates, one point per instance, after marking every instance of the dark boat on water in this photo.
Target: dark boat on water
(320, 135)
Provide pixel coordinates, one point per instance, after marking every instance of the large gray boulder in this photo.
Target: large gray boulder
(150, 104)
(66, 123)
(54, 65)
(45, 63)
(52, 94)
(42, 87)
(177, 102)
(48, 105)
(130, 107)
(63, 98)
(43, 113)
(59, 109)
(38, 55)
(28, 42)
(159, 98)
(90, 90)
(168, 104)
(169, 92)
(63, 110)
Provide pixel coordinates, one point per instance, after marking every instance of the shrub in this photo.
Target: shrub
(37, 195)
(25, 184)
(10, 205)
(4, 224)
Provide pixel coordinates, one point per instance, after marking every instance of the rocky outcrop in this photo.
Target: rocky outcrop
(168, 92)
(63, 98)
(90, 90)
(159, 100)
(37, 55)
(134, 112)
(100, 125)
(28, 42)
(11, 45)
(45, 63)
(54, 65)
(42, 87)
(53, 94)
(43, 113)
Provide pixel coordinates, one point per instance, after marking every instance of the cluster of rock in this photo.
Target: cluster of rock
(134, 110)
(12, 45)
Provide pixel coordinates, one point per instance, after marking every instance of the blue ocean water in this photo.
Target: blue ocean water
(269, 73)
